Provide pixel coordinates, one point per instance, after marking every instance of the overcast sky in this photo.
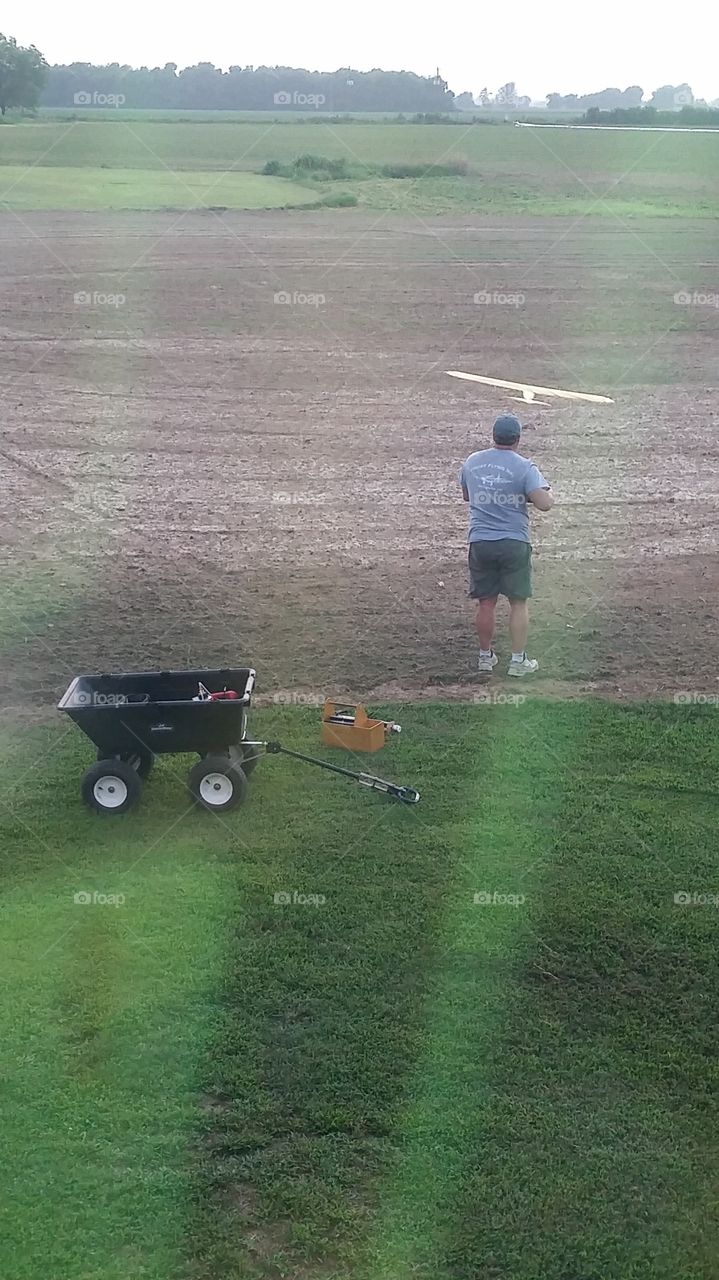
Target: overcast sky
(556, 45)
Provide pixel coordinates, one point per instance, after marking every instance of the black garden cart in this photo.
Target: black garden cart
(132, 717)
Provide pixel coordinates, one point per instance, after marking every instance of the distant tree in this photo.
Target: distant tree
(672, 97)
(507, 95)
(524, 100)
(22, 75)
(562, 102)
(605, 99)
(464, 101)
(663, 98)
(683, 96)
(483, 98)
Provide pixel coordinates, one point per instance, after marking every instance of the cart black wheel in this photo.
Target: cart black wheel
(111, 786)
(142, 760)
(218, 783)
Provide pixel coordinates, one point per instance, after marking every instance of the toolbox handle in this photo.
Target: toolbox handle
(333, 705)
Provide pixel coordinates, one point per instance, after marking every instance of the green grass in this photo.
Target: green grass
(395, 1083)
(250, 144)
(40, 187)
(511, 197)
(508, 170)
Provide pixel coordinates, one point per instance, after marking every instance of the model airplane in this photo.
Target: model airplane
(529, 392)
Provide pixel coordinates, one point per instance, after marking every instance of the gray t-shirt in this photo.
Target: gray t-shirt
(498, 481)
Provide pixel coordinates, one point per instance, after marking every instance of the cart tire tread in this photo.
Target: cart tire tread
(217, 783)
(111, 786)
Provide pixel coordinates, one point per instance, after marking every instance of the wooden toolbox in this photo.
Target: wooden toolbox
(347, 725)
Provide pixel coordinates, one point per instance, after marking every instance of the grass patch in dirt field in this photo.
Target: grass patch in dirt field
(398, 1080)
(42, 187)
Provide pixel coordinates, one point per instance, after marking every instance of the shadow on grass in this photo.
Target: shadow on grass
(592, 1154)
(322, 1007)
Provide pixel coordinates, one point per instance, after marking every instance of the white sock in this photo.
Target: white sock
(485, 653)
(518, 657)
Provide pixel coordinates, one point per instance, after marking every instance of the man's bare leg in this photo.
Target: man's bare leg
(518, 624)
(485, 622)
(520, 664)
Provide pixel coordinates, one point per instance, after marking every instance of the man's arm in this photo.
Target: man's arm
(463, 483)
(542, 499)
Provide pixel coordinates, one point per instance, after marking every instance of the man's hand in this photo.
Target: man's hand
(542, 499)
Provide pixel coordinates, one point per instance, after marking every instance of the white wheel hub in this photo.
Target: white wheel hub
(109, 791)
(216, 788)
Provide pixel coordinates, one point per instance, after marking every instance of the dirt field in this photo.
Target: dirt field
(198, 473)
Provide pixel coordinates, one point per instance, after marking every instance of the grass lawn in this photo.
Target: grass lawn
(508, 170)
(41, 187)
(399, 1081)
(245, 144)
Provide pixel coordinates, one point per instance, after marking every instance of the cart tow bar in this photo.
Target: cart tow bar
(408, 795)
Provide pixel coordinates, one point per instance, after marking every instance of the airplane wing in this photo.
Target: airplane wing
(525, 386)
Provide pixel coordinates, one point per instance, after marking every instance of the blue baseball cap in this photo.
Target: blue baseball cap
(507, 429)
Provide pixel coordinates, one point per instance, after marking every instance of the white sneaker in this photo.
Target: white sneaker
(488, 664)
(523, 668)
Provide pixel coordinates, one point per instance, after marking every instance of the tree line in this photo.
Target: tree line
(649, 118)
(206, 87)
(669, 97)
(27, 81)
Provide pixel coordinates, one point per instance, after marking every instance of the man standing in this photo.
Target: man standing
(498, 483)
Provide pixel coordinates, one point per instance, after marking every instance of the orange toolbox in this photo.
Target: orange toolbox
(347, 725)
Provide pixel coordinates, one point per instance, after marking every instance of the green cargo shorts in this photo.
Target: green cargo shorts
(501, 568)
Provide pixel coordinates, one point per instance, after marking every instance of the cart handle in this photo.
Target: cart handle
(408, 795)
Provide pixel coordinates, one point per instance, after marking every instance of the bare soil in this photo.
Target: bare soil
(200, 473)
